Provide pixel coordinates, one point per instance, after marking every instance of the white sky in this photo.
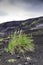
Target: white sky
(9, 12)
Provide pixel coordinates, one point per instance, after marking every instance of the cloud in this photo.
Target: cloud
(28, 4)
(2, 13)
(20, 9)
(34, 1)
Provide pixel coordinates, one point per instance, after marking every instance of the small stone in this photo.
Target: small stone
(19, 64)
(25, 63)
(18, 57)
(28, 58)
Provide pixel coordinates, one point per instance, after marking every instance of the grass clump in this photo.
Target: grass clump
(20, 43)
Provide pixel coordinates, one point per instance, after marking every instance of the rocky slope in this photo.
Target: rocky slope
(34, 25)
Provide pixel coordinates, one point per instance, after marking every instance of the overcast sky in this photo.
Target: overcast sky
(20, 9)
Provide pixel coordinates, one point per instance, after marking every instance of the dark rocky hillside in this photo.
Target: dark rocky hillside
(32, 26)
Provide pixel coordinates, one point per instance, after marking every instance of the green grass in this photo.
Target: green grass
(20, 43)
(24, 23)
(1, 39)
